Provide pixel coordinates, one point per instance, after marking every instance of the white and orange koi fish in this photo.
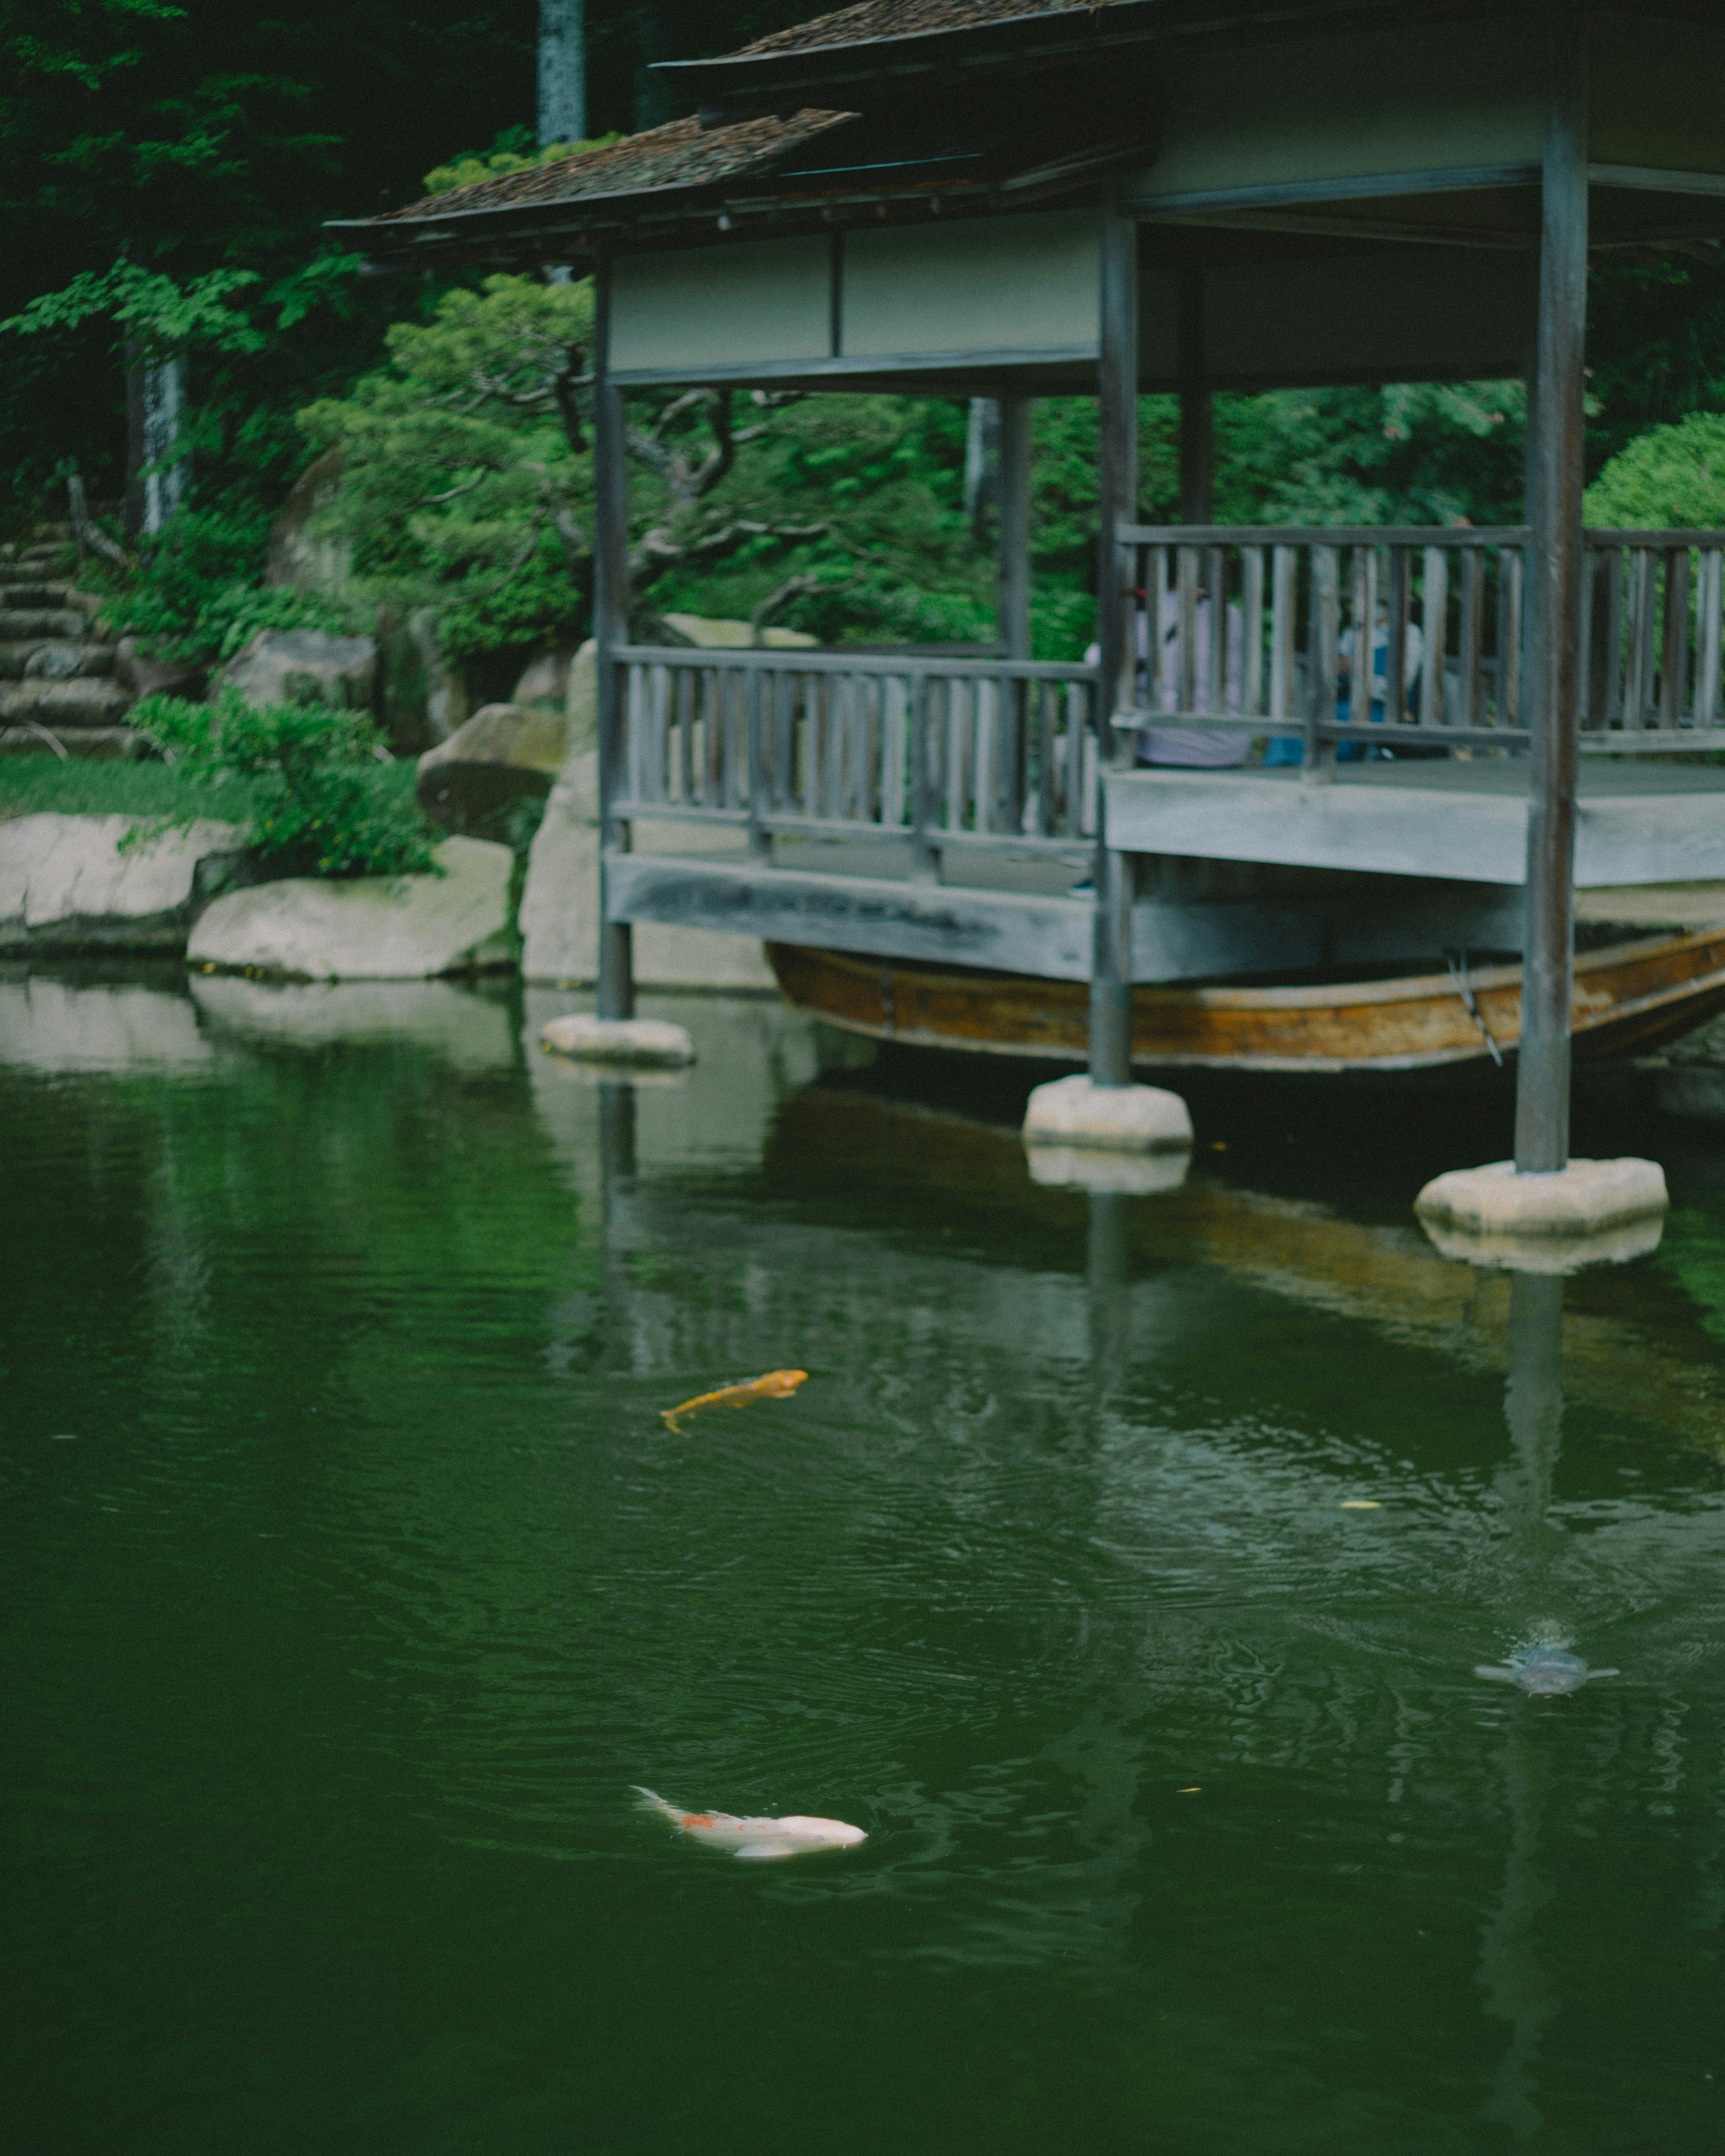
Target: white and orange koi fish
(776, 1385)
(754, 1840)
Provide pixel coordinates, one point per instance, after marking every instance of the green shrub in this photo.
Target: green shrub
(1669, 479)
(324, 797)
(194, 593)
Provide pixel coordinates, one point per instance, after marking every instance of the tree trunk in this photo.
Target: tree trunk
(562, 71)
(155, 412)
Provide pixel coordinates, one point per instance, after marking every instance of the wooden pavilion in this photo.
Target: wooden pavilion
(1009, 199)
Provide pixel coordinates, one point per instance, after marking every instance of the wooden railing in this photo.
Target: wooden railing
(1440, 615)
(1655, 601)
(946, 753)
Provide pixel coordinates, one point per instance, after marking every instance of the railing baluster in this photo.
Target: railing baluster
(955, 756)
(1613, 566)
(1048, 774)
(688, 714)
(1638, 682)
(893, 747)
(1511, 570)
(760, 842)
(1283, 626)
(1708, 600)
(1186, 630)
(1400, 599)
(1362, 603)
(925, 859)
(1472, 633)
(1251, 623)
(1674, 667)
(1434, 629)
(1323, 652)
(635, 696)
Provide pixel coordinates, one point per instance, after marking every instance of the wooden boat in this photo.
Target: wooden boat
(1628, 998)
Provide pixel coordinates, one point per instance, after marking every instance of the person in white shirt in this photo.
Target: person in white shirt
(1200, 748)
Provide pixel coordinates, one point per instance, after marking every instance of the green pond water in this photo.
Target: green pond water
(351, 1580)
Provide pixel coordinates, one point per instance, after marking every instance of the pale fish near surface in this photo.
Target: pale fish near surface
(1542, 1668)
(755, 1839)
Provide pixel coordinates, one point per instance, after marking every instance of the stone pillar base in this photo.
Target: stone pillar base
(1138, 1119)
(1589, 1213)
(641, 1041)
(1091, 1168)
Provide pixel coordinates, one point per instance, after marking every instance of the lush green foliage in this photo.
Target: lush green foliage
(166, 170)
(193, 593)
(1670, 476)
(462, 483)
(322, 804)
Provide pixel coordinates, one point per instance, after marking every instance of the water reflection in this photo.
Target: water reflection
(1183, 1806)
(1512, 1971)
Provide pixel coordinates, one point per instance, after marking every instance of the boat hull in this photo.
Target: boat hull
(1628, 998)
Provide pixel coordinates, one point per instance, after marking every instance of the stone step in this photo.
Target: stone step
(51, 561)
(16, 621)
(36, 591)
(65, 703)
(107, 742)
(48, 659)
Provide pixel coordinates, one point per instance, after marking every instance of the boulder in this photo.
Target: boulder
(560, 904)
(505, 755)
(470, 1025)
(65, 884)
(581, 700)
(545, 682)
(305, 667)
(720, 635)
(157, 677)
(373, 928)
(304, 560)
(423, 695)
(62, 1026)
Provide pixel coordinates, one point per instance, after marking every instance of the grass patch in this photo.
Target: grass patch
(99, 786)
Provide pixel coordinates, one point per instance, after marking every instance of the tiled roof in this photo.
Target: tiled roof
(901, 19)
(678, 155)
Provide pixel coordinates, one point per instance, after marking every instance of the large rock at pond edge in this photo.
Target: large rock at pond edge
(423, 694)
(301, 558)
(504, 754)
(560, 904)
(374, 928)
(305, 667)
(65, 884)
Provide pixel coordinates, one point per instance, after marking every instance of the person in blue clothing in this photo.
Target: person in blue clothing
(1286, 751)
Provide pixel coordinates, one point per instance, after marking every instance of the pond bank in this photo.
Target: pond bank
(75, 882)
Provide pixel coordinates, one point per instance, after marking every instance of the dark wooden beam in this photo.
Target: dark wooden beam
(1118, 504)
(610, 629)
(1556, 569)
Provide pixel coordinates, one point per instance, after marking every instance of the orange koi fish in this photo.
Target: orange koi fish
(776, 1385)
(756, 1840)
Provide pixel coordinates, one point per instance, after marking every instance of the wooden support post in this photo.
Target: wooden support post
(1117, 496)
(1198, 429)
(610, 629)
(1013, 611)
(1554, 588)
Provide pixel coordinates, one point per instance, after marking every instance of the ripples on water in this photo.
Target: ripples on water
(370, 1580)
